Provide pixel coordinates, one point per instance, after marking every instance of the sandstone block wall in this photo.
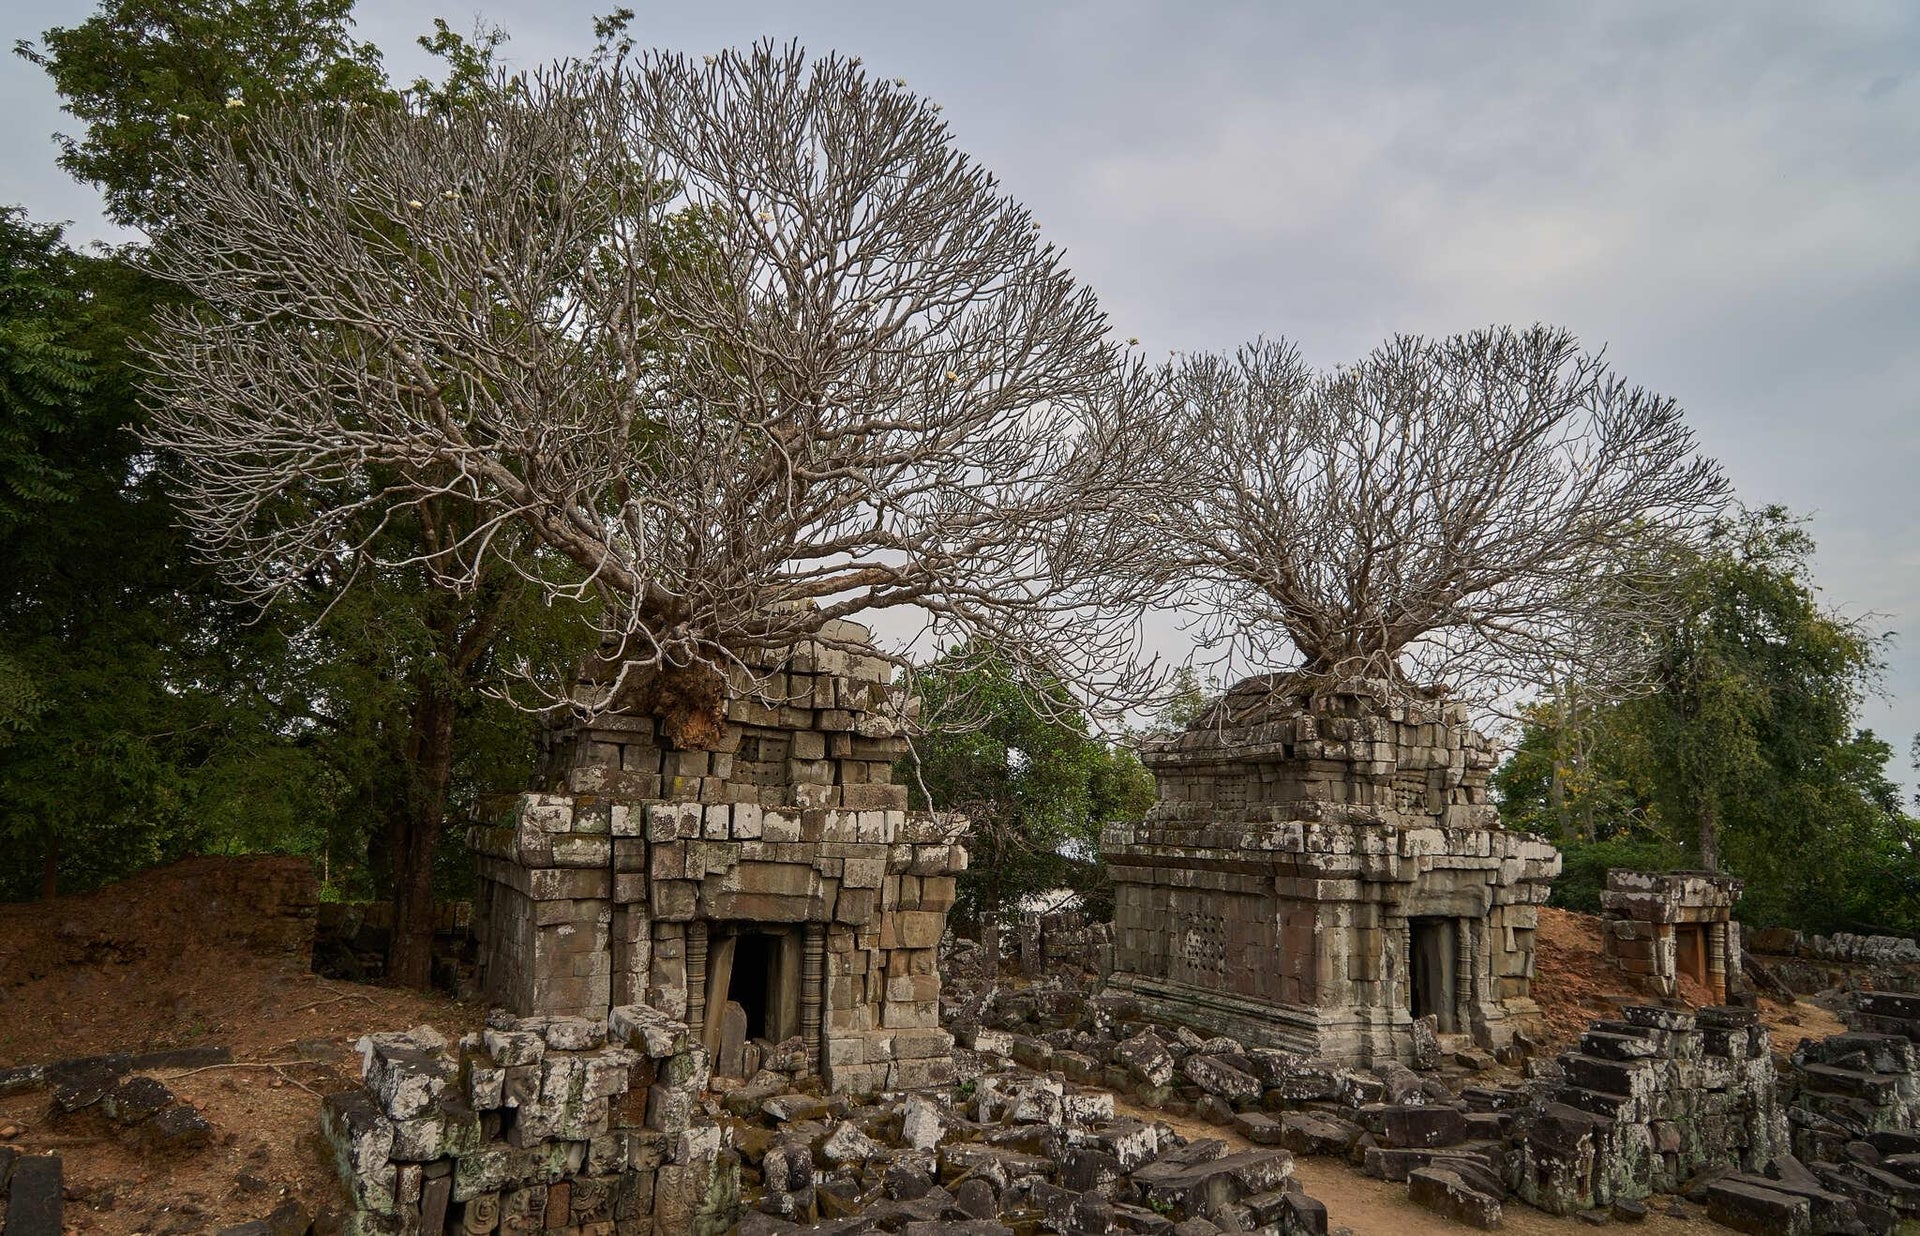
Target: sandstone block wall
(562, 1125)
(658, 875)
(1646, 1103)
(1320, 871)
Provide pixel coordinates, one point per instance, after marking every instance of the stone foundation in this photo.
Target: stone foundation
(1660, 926)
(771, 886)
(1319, 873)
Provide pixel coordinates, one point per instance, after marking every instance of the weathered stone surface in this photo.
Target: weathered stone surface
(1218, 1078)
(175, 1130)
(1313, 863)
(1760, 1211)
(136, 1099)
(1424, 1127)
(660, 866)
(1444, 1192)
(1201, 1188)
(1307, 1133)
(1147, 1058)
(35, 1202)
(847, 1144)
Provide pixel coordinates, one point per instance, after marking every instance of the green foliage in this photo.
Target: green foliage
(1035, 786)
(1577, 772)
(469, 63)
(1746, 758)
(1187, 700)
(43, 376)
(1584, 864)
(141, 74)
(132, 695)
(144, 713)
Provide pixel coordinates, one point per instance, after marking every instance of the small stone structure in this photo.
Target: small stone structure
(770, 883)
(1661, 926)
(1321, 871)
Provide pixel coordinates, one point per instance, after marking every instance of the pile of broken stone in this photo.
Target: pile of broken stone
(115, 1092)
(573, 1126)
(1014, 1151)
(562, 1124)
(1651, 1106)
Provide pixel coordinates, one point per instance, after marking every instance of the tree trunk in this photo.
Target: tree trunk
(50, 868)
(417, 838)
(1709, 820)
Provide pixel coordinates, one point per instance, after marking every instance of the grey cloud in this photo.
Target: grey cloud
(1722, 194)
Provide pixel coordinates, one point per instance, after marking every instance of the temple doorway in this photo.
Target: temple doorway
(1432, 981)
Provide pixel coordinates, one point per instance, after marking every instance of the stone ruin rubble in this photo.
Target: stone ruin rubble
(763, 883)
(1373, 1014)
(1662, 926)
(1322, 872)
(561, 1124)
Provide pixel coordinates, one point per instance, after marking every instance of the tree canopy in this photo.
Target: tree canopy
(1472, 512)
(1747, 757)
(143, 76)
(748, 343)
(1035, 786)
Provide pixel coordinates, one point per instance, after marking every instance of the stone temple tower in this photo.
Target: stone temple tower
(762, 880)
(1321, 869)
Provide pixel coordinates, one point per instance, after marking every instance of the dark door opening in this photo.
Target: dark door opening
(753, 994)
(752, 978)
(1430, 971)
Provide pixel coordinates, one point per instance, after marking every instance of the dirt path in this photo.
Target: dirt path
(1370, 1207)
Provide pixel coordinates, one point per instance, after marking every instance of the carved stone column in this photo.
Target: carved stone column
(813, 1016)
(696, 975)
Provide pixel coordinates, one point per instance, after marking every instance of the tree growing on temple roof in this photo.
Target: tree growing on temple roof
(1474, 513)
(719, 351)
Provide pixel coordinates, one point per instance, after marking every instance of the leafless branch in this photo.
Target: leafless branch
(721, 352)
(1478, 513)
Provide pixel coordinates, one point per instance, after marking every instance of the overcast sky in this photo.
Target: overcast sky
(1725, 196)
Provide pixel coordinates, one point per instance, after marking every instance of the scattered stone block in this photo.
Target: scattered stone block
(1445, 1193)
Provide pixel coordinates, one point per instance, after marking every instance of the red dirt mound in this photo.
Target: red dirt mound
(1574, 985)
(211, 951)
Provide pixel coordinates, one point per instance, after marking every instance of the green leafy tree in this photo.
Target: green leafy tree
(139, 74)
(370, 709)
(1746, 758)
(1186, 699)
(44, 376)
(133, 697)
(1034, 784)
(1751, 730)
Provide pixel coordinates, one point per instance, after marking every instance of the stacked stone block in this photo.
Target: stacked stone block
(1648, 1102)
(1652, 919)
(1304, 848)
(635, 878)
(564, 1125)
(1855, 1111)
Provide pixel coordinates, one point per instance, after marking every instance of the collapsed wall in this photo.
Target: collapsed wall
(556, 1124)
(1321, 870)
(1648, 1102)
(767, 884)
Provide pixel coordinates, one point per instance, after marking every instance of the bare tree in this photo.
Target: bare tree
(1474, 513)
(738, 347)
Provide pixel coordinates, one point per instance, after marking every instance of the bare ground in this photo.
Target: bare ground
(147, 965)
